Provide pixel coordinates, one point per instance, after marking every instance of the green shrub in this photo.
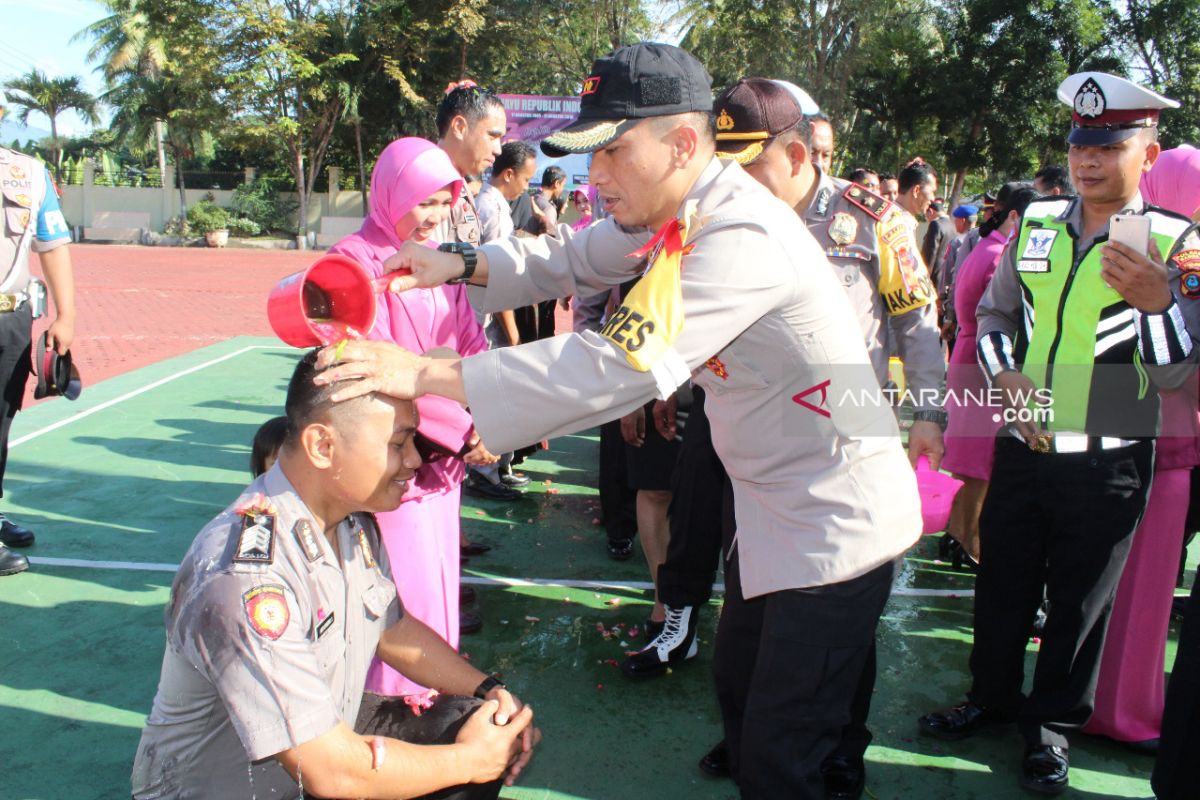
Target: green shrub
(206, 216)
(243, 227)
(260, 203)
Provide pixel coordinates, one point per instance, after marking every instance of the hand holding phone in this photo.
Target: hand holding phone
(1131, 230)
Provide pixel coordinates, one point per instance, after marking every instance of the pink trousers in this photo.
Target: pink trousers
(421, 538)
(1130, 692)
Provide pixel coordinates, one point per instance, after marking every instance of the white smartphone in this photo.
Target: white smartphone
(1131, 230)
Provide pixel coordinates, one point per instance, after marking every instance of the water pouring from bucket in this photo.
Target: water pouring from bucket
(331, 301)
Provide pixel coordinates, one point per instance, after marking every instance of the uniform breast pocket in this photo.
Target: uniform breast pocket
(331, 647)
(16, 219)
(734, 372)
(378, 598)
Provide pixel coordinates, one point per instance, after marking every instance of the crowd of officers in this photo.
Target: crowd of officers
(775, 289)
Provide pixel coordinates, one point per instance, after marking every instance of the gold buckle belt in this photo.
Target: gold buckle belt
(11, 302)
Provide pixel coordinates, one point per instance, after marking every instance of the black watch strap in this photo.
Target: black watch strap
(937, 416)
(485, 686)
(469, 256)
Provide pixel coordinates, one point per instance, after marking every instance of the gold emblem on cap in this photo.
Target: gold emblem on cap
(724, 121)
(844, 228)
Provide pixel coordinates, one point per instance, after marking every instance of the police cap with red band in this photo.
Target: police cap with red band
(56, 374)
(1106, 109)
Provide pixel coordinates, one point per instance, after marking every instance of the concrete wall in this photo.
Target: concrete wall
(81, 203)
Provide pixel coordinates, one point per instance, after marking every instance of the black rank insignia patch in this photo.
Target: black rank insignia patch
(256, 544)
(307, 538)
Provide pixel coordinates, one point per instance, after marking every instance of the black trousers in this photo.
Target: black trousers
(391, 716)
(701, 515)
(789, 668)
(1180, 740)
(618, 501)
(1062, 524)
(15, 339)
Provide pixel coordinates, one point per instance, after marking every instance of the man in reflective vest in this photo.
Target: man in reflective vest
(1077, 332)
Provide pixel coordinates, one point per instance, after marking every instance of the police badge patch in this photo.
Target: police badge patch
(1039, 243)
(844, 228)
(267, 610)
(1089, 100)
(1189, 284)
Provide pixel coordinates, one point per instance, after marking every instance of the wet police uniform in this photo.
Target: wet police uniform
(269, 637)
(825, 497)
(32, 221)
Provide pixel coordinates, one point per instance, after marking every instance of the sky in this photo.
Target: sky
(38, 34)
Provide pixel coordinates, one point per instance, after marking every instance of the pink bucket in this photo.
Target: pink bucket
(937, 491)
(332, 299)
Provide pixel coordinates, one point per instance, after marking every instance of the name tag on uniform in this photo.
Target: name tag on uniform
(1033, 265)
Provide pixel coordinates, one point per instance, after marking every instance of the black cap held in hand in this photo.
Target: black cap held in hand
(628, 85)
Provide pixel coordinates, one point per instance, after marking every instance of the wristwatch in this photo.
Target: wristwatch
(470, 259)
(488, 683)
(937, 416)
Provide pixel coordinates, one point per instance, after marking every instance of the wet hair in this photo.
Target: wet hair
(915, 173)
(267, 441)
(1055, 177)
(306, 401)
(513, 155)
(1015, 196)
(553, 174)
(469, 102)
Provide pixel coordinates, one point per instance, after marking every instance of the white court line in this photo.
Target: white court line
(565, 583)
(129, 395)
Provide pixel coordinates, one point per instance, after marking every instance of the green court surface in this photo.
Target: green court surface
(117, 484)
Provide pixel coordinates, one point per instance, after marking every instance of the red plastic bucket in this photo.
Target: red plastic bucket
(339, 301)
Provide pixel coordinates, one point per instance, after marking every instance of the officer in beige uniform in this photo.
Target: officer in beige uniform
(32, 220)
(739, 297)
(275, 614)
(870, 246)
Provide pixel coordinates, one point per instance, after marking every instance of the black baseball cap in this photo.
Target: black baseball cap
(750, 114)
(628, 85)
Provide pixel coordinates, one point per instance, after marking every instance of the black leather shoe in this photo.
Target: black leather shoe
(469, 623)
(514, 480)
(13, 534)
(11, 563)
(466, 595)
(716, 761)
(958, 722)
(477, 486)
(620, 549)
(845, 778)
(473, 549)
(670, 648)
(1045, 769)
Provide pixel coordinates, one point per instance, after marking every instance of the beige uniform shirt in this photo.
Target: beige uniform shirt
(870, 244)
(269, 637)
(23, 192)
(823, 489)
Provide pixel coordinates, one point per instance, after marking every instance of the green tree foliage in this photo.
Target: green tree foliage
(35, 92)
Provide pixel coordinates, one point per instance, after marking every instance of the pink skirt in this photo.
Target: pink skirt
(1131, 689)
(421, 538)
(971, 423)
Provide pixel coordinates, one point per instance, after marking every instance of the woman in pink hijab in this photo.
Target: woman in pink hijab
(1130, 691)
(413, 187)
(585, 203)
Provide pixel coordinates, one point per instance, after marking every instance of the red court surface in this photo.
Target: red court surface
(140, 305)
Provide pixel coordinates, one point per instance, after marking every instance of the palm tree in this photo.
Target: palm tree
(125, 43)
(51, 97)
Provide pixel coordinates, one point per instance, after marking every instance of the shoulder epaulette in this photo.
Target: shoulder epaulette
(868, 201)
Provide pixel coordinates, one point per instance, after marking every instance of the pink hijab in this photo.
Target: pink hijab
(590, 193)
(407, 172)
(1174, 181)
